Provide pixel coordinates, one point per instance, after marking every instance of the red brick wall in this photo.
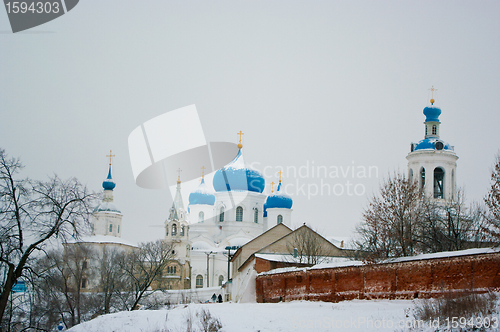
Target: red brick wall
(403, 280)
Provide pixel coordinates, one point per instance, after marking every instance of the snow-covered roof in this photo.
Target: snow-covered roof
(444, 254)
(345, 241)
(103, 239)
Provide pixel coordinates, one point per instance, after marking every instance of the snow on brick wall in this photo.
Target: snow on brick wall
(400, 280)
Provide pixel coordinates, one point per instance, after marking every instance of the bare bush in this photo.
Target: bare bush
(469, 305)
(208, 323)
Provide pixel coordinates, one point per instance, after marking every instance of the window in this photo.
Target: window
(182, 230)
(175, 269)
(84, 282)
(110, 228)
(425, 130)
(174, 230)
(201, 216)
(280, 219)
(256, 216)
(434, 130)
(422, 178)
(239, 213)
(221, 280)
(438, 182)
(118, 229)
(199, 281)
(221, 214)
(411, 175)
(84, 265)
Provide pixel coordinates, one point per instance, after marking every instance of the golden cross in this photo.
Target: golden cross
(240, 133)
(179, 177)
(280, 172)
(202, 172)
(272, 187)
(110, 155)
(432, 91)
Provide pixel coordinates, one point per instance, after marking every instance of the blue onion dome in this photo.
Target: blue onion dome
(236, 176)
(430, 144)
(202, 195)
(432, 113)
(108, 184)
(279, 200)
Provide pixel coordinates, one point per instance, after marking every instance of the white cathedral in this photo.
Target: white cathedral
(223, 219)
(236, 210)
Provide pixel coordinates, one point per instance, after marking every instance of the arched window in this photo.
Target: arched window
(110, 228)
(256, 216)
(221, 280)
(201, 216)
(84, 282)
(175, 269)
(118, 229)
(239, 213)
(199, 281)
(280, 219)
(221, 214)
(434, 130)
(425, 130)
(438, 182)
(174, 229)
(182, 230)
(422, 178)
(411, 175)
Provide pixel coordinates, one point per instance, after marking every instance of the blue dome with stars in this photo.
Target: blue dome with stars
(202, 195)
(432, 113)
(109, 184)
(278, 200)
(236, 176)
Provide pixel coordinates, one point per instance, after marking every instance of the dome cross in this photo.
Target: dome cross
(110, 155)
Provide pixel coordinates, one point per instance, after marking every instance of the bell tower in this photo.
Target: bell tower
(432, 162)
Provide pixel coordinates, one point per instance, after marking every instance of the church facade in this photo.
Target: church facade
(220, 220)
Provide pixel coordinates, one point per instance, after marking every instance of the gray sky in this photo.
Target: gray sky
(334, 83)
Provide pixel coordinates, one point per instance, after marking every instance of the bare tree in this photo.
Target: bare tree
(145, 266)
(390, 226)
(308, 247)
(450, 225)
(111, 276)
(492, 200)
(32, 213)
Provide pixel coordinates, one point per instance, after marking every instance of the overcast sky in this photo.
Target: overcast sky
(329, 83)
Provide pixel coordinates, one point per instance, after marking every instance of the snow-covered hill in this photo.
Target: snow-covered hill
(357, 315)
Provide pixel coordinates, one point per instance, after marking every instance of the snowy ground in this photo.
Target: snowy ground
(357, 315)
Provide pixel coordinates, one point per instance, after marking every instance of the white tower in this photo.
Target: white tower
(107, 219)
(177, 227)
(433, 162)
